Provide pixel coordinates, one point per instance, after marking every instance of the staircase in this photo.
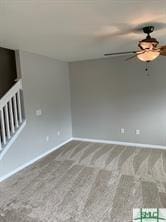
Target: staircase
(12, 117)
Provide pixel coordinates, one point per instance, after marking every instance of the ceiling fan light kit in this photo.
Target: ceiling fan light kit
(149, 49)
(148, 56)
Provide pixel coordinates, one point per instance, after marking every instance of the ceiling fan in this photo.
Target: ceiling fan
(149, 49)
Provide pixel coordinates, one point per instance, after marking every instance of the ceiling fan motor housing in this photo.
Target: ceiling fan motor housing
(148, 43)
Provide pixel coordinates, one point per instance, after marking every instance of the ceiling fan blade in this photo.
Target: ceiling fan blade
(113, 30)
(138, 53)
(131, 57)
(120, 53)
(163, 50)
(163, 53)
(120, 29)
(157, 25)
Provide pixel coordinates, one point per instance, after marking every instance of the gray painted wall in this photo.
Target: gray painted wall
(46, 87)
(110, 94)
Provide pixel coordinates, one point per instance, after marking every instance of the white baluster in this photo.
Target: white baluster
(19, 107)
(7, 121)
(0, 136)
(3, 127)
(15, 111)
(0, 143)
(11, 116)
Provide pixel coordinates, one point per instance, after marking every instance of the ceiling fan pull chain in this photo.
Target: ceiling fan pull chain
(147, 68)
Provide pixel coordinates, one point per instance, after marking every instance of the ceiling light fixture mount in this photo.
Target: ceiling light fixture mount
(148, 29)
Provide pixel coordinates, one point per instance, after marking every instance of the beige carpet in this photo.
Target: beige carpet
(86, 182)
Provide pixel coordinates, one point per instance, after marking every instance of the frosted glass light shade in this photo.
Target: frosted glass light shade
(148, 56)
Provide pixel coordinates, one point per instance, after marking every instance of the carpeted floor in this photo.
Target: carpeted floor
(86, 182)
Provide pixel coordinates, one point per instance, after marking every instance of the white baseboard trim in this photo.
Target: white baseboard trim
(120, 143)
(12, 140)
(32, 161)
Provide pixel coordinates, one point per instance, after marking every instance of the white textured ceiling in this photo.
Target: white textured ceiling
(73, 30)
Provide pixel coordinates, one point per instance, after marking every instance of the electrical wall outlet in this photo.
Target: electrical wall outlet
(47, 138)
(122, 130)
(38, 112)
(58, 133)
(137, 132)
